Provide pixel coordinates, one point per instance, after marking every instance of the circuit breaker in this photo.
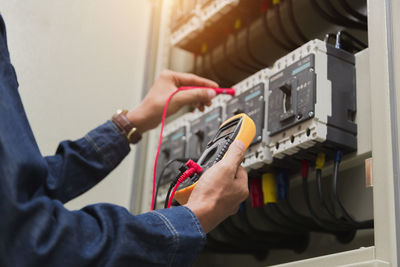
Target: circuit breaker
(173, 147)
(312, 101)
(251, 98)
(250, 102)
(202, 130)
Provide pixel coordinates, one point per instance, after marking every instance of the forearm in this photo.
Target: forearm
(44, 233)
(79, 165)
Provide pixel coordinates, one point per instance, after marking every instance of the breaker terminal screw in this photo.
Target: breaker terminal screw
(310, 114)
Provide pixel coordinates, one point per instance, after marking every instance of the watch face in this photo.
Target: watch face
(119, 111)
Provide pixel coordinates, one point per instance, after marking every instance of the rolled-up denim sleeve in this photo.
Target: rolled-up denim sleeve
(43, 233)
(79, 165)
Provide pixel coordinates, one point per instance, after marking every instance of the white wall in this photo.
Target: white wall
(78, 62)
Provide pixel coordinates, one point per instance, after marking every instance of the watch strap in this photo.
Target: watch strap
(126, 127)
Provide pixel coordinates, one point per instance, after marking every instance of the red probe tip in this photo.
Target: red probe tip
(193, 165)
(225, 91)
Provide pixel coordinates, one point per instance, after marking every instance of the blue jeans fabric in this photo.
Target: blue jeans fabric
(37, 230)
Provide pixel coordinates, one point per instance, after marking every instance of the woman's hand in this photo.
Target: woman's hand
(148, 114)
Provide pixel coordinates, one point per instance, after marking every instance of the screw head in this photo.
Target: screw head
(310, 114)
(299, 116)
(311, 70)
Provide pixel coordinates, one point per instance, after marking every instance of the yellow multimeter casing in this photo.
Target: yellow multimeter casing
(239, 127)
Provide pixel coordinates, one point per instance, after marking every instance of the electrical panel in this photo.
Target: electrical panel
(304, 104)
(299, 88)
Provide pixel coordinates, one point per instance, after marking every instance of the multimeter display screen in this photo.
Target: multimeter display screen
(226, 131)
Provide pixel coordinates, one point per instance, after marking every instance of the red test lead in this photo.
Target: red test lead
(219, 91)
(193, 168)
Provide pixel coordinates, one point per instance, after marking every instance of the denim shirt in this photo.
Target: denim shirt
(37, 230)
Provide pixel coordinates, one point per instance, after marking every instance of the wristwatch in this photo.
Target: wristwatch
(126, 127)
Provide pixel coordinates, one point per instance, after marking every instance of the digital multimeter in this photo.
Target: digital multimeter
(239, 127)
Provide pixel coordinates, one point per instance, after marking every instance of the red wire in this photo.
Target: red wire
(172, 194)
(230, 91)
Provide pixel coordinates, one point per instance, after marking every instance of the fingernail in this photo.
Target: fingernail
(211, 93)
(239, 144)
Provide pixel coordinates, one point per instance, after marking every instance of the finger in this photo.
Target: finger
(235, 153)
(189, 79)
(194, 97)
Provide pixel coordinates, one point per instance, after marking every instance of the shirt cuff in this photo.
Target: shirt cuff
(109, 143)
(187, 233)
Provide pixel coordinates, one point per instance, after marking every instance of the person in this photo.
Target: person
(37, 230)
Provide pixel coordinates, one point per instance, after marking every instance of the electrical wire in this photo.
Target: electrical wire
(218, 75)
(282, 29)
(251, 67)
(324, 224)
(285, 205)
(344, 19)
(339, 21)
(360, 225)
(231, 62)
(161, 176)
(229, 91)
(346, 6)
(247, 236)
(171, 186)
(270, 35)
(319, 164)
(283, 220)
(266, 239)
(318, 178)
(339, 35)
(193, 168)
(248, 48)
(296, 26)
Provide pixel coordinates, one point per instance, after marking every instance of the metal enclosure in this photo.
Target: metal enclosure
(377, 73)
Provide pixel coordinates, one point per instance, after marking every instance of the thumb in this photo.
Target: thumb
(235, 153)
